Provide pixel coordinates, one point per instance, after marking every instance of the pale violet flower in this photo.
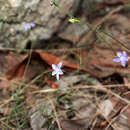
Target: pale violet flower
(29, 26)
(57, 70)
(122, 57)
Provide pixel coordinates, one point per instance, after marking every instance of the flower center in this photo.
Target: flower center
(57, 70)
(122, 58)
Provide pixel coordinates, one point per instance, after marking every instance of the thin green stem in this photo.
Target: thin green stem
(90, 27)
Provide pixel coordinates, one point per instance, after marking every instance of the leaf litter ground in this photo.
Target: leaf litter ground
(92, 94)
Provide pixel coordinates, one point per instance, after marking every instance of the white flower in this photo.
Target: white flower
(52, 2)
(57, 70)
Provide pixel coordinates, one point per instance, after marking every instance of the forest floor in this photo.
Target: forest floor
(93, 93)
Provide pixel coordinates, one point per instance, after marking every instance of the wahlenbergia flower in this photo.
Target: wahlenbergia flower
(122, 57)
(57, 70)
(28, 26)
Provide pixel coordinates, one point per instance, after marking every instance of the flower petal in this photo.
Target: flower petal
(26, 27)
(57, 76)
(32, 25)
(124, 53)
(123, 63)
(60, 72)
(116, 60)
(53, 73)
(126, 58)
(59, 65)
(119, 54)
(54, 66)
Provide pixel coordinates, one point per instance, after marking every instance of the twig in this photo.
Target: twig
(93, 29)
(54, 110)
(113, 119)
(102, 88)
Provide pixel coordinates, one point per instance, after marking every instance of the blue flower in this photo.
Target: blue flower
(57, 70)
(29, 26)
(122, 57)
